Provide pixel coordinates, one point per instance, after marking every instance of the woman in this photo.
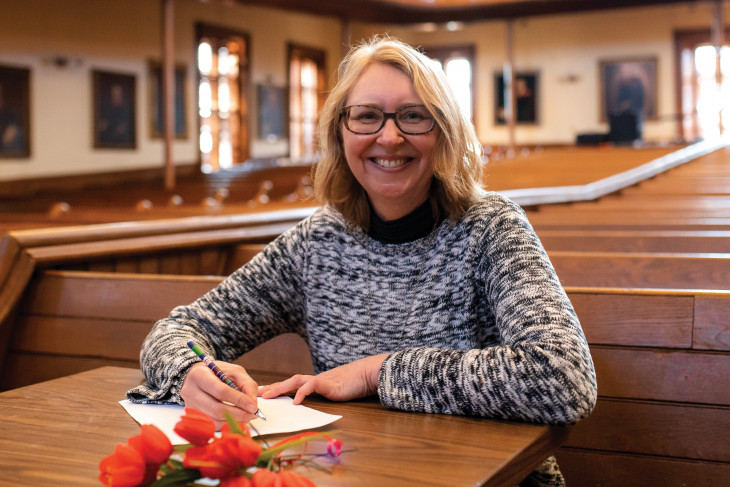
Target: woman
(410, 283)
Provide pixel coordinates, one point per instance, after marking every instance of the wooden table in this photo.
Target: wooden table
(56, 432)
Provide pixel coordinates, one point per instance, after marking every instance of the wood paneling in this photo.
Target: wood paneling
(712, 324)
(586, 468)
(653, 428)
(640, 319)
(662, 374)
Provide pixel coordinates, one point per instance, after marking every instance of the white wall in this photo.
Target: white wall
(123, 36)
(566, 51)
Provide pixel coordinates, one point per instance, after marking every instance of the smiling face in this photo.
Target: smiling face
(394, 168)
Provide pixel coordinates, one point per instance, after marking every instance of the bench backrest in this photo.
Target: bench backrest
(71, 321)
(606, 269)
(636, 241)
(661, 358)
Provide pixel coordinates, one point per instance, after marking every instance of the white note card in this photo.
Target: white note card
(281, 417)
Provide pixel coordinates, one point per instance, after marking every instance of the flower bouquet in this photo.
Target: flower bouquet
(234, 458)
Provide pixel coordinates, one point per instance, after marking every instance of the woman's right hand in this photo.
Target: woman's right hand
(203, 390)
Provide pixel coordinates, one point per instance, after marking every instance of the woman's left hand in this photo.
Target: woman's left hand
(344, 383)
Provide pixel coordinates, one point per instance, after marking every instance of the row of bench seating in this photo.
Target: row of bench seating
(663, 413)
(660, 339)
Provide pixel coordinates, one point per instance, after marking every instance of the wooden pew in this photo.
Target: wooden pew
(630, 220)
(636, 241)
(70, 321)
(681, 204)
(663, 417)
(238, 185)
(642, 270)
(606, 269)
(199, 245)
(661, 358)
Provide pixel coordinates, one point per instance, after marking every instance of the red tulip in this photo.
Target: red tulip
(239, 481)
(265, 478)
(124, 468)
(152, 444)
(223, 457)
(226, 430)
(196, 427)
(291, 479)
(284, 478)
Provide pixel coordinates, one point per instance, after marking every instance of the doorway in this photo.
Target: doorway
(223, 77)
(306, 98)
(703, 85)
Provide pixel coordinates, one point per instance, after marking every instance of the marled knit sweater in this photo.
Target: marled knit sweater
(473, 314)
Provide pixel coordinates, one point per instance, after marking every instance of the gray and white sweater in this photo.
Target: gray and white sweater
(473, 315)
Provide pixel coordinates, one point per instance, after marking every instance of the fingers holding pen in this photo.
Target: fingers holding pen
(204, 391)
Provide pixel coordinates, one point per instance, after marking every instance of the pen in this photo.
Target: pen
(218, 372)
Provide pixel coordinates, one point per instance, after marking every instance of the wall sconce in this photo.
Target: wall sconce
(569, 78)
(64, 62)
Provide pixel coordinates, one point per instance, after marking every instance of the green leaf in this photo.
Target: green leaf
(178, 477)
(268, 454)
(182, 448)
(233, 424)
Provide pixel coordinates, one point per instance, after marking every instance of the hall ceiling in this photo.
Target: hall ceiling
(416, 11)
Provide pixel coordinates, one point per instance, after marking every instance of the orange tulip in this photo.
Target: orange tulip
(223, 457)
(124, 468)
(239, 481)
(284, 478)
(196, 427)
(152, 444)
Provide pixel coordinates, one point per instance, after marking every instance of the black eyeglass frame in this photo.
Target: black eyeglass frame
(386, 115)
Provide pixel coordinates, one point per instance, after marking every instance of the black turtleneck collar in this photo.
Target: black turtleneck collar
(413, 226)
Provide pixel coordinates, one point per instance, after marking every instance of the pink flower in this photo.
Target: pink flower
(124, 468)
(196, 427)
(334, 447)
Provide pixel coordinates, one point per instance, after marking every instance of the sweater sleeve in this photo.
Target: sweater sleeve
(260, 300)
(541, 369)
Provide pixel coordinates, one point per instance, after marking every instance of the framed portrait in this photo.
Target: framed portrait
(629, 86)
(271, 112)
(526, 98)
(14, 112)
(114, 110)
(157, 114)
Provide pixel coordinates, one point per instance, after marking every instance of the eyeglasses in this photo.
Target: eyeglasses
(365, 119)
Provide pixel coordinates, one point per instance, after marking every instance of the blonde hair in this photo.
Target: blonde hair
(457, 155)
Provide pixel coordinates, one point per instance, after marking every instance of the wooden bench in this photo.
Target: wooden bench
(643, 202)
(662, 357)
(237, 186)
(630, 219)
(70, 321)
(199, 245)
(642, 270)
(662, 361)
(636, 241)
(606, 269)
